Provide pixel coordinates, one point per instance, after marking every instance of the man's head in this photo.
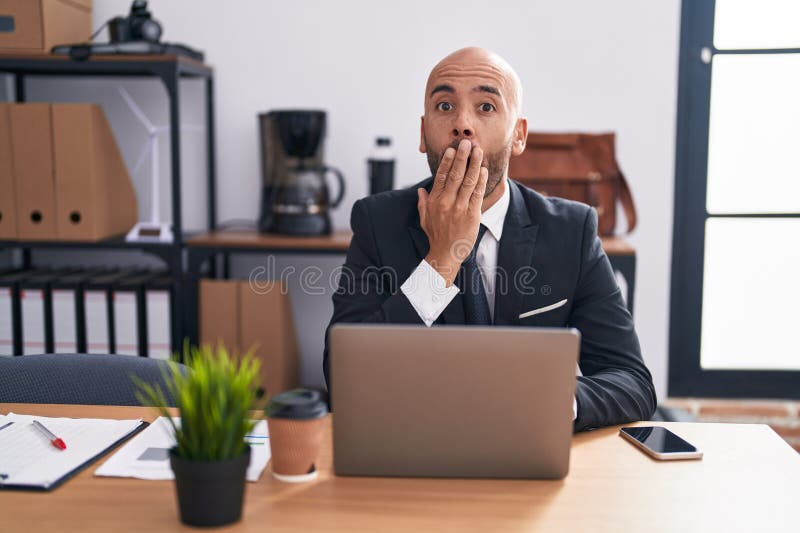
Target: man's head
(474, 94)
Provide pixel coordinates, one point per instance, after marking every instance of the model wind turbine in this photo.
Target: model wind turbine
(154, 230)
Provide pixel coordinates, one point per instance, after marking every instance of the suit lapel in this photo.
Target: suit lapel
(514, 257)
(417, 233)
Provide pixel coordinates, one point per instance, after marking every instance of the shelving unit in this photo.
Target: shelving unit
(170, 70)
(203, 250)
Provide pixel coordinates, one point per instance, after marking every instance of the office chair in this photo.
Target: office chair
(88, 379)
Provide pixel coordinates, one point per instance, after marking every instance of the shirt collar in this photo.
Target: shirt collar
(494, 217)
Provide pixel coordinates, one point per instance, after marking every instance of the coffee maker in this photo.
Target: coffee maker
(295, 199)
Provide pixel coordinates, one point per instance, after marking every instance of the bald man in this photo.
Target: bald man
(471, 246)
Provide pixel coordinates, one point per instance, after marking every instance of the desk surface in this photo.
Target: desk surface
(747, 481)
(338, 240)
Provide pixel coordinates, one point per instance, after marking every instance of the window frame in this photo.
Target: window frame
(686, 376)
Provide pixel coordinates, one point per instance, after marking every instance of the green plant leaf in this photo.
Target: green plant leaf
(215, 399)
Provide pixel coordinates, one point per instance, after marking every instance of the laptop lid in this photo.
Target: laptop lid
(452, 401)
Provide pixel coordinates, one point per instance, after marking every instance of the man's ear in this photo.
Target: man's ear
(422, 134)
(520, 136)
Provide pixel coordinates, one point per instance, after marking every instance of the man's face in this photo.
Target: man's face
(472, 100)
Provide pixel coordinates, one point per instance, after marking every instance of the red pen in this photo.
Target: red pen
(55, 441)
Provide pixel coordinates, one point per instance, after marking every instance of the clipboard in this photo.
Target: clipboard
(60, 473)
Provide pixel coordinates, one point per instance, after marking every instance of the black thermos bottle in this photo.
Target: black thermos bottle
(381, 166)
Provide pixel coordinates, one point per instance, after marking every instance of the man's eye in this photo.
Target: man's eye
(487, 108)
(444, 106)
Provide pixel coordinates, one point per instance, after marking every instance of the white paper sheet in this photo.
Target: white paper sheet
(28, 458)
(146, 456)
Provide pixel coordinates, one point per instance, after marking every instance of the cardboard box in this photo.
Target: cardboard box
(36, 26)
(266, 324)
(219, 313)
(8, 201)
(231, 311)
(32, 154)
(95, 198)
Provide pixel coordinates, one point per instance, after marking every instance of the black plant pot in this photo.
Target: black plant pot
(209, 493)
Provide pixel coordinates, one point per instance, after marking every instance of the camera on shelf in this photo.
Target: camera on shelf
(139, 25)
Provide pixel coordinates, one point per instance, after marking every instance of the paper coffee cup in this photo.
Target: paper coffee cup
(296, 419)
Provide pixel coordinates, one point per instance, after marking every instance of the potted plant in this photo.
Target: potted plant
(215, 399)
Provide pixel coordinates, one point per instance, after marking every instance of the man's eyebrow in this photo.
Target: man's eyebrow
(486, 89)
(443, 88)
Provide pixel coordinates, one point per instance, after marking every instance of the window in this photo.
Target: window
(735, 305)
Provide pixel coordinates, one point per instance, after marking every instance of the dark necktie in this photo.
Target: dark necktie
(476, 306)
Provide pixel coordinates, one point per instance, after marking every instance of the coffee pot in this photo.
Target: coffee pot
(301, 200)
(296, 198)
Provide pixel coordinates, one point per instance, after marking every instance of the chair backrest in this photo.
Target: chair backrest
(89, 379)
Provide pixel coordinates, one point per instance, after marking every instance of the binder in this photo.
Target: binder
(231, 311)
(69, 331)
(266, 322)
(130, 320)
(37, 312)
(99, 311)
(36, 26)
(160, 322)
(8, 211)
(32, 155)
(219, 313)
(95, 198)
(36, 305)
(10, 313)
(6, 319)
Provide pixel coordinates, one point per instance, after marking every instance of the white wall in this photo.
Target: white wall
(585, 65)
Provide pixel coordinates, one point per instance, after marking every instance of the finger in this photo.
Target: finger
(422, 201)
(456, 174)
(476, 200)
(471, 177)
(441, 172)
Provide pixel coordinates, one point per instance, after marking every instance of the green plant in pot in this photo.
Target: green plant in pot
(215, 398)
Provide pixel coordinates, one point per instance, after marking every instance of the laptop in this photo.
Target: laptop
(452, 401)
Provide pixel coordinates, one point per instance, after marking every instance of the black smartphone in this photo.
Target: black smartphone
(660, 443)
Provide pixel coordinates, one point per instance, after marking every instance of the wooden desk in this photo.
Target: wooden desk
(746, 482)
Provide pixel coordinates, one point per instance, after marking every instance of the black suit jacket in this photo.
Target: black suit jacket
(552, 248)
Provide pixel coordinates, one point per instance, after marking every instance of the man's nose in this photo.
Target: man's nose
(462, 127)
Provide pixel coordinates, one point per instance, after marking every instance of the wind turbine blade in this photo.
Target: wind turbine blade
(146, 147)
(186, 127)
(136, 109)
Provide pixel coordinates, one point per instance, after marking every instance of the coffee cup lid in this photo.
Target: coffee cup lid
(297, 404)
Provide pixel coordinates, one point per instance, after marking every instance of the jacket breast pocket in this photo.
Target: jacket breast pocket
(538, 312)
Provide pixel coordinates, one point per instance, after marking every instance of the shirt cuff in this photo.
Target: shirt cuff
(574, 408)
(428, 293)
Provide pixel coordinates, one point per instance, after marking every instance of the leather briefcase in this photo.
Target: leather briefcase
(577, 166)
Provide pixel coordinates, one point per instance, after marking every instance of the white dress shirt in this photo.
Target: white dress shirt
(426, 289)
